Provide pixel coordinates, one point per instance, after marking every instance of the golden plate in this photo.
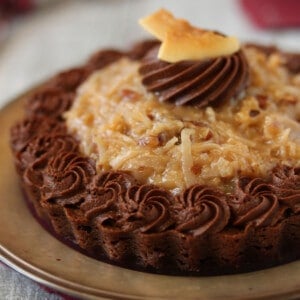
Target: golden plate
(29, 249)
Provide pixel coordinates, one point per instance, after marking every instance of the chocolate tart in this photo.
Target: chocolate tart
(114, 215)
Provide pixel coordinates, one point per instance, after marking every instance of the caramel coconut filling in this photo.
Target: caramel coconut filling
(124, 127)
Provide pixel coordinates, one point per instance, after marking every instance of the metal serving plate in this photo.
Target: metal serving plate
(32, 251)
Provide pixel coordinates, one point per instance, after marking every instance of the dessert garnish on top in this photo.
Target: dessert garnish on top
(192, 66)
(182, 41)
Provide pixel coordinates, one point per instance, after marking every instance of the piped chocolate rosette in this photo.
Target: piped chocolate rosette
(192, 66)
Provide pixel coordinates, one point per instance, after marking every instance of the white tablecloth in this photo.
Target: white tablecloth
(64, 33)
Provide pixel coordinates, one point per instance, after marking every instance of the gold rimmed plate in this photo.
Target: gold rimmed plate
(28, 248)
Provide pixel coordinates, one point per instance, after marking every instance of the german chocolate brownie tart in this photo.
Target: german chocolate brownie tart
(170, 161)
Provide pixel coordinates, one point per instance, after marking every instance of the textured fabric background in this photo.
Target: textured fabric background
(65, 33)
(14, 286)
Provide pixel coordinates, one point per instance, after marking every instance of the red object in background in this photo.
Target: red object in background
(12, 7)
(273, 13)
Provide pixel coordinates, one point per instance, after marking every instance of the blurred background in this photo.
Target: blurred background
(41, 37)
